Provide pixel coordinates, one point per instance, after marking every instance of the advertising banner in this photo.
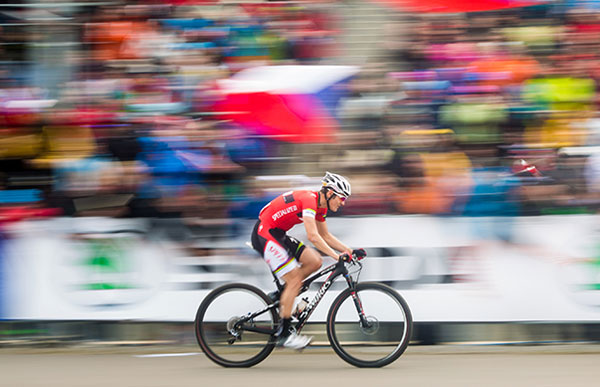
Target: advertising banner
(448, 269)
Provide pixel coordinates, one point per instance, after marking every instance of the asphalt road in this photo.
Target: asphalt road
(560, 365)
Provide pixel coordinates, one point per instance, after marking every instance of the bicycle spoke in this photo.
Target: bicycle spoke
(226, 332)
(378, 340)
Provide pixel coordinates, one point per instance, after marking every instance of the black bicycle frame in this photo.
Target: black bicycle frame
(336, 270)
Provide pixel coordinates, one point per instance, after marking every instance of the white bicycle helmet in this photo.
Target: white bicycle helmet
(339, 184)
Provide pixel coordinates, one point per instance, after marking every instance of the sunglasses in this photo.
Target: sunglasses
(342, 198)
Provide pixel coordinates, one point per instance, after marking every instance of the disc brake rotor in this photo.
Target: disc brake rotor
(371, 328)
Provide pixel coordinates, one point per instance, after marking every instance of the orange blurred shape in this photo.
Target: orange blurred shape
(117, 39)
(519, 68)
(425, 199)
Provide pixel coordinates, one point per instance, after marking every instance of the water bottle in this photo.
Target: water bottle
(300, 307)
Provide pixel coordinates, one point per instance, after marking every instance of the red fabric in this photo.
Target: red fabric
(188, 2)
(81, 116)
(292, 117)
(456, 6)
(16, 214)
(586, 27)
(19, 117)
(285, 211)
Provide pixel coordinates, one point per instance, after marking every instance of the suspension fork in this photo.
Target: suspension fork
(357, 303)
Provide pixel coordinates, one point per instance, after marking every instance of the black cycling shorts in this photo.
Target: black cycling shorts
(281, 251)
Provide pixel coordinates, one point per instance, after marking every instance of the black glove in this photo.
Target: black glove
(359, 253)
(345, 257)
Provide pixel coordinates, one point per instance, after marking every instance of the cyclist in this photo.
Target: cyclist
(290, 259)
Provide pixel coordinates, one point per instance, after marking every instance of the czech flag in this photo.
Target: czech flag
(292, 103)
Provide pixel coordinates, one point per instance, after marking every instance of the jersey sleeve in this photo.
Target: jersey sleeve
(309, 205)
(321, 215)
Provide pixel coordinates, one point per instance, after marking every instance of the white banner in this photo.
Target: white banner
(448, 269)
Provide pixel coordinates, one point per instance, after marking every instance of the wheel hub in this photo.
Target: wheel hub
(371, 327)
(231, 328)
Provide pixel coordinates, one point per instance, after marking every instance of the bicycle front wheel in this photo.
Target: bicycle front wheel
(234, 325)
(377, 339)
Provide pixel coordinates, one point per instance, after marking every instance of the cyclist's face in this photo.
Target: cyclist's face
(337, 202)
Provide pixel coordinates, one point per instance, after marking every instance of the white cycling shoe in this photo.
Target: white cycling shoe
(296, 341)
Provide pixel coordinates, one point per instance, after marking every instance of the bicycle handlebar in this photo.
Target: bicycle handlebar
(356, 256)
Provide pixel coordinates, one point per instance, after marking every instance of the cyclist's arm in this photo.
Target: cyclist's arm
(314, 236)
(331, 240)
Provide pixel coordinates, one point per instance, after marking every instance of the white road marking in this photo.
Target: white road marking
(169, 354)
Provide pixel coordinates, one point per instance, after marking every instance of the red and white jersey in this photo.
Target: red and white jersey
(290, 208)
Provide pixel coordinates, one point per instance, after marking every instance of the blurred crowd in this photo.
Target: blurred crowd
(483, 114)
(464, 103)
(119, 123)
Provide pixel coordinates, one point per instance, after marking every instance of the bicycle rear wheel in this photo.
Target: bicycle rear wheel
(386, 335)
(224, 332)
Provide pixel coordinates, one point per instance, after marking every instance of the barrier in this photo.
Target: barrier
(475, 270)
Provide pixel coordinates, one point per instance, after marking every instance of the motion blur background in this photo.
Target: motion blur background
(140, 139)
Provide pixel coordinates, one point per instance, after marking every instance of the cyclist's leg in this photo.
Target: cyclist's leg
(290, 272)
(277, 251)
(293, 282)
(310, 261)
(282, 253)
(287, 337)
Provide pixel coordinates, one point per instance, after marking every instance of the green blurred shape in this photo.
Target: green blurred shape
(475, 122)
(557, 90)
(16, 332)
(106, 286)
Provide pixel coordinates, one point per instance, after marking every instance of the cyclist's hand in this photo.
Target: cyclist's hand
(359, 253)
(345, 257)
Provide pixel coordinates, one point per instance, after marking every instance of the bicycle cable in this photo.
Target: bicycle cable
(355, 262)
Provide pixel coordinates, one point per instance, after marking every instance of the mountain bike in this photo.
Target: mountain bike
(368, 324)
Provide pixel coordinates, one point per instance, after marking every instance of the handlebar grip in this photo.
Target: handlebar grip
(345, 257)
(359, 253)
